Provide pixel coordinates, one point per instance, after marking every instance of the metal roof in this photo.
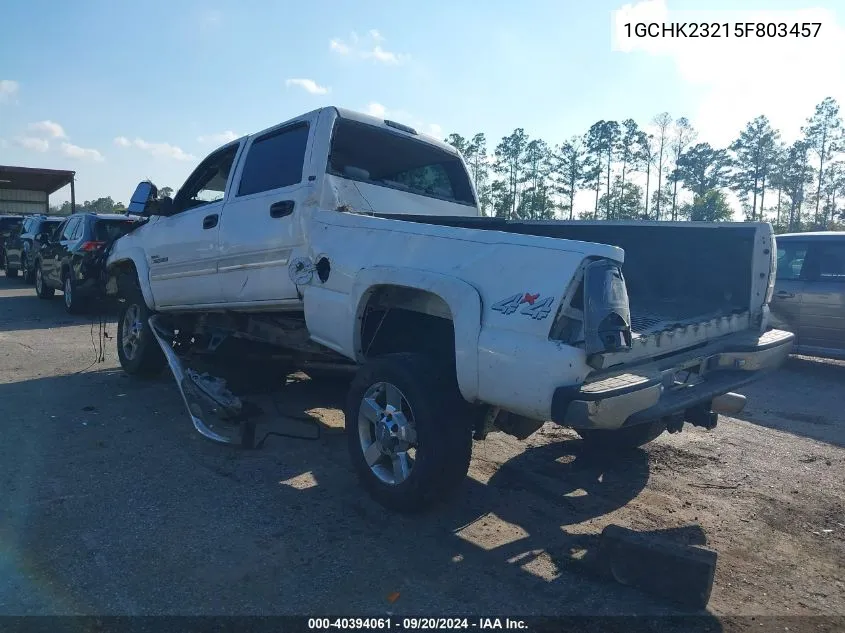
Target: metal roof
(34, 179)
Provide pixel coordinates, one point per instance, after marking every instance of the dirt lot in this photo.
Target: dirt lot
(112, 504)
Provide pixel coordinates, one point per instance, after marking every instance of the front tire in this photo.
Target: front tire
(624, 439)
(408, 439)
(137, 347)
(41, 288)
(11, 273)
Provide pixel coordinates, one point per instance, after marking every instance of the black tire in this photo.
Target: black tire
(74, 304)
(144, 359)
(11, 273)
(625, 439)
(444, 437)
(41, 288)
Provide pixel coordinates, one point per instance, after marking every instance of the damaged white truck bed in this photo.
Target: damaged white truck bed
(340, 242)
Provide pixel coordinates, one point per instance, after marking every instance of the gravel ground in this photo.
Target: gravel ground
(112, 504)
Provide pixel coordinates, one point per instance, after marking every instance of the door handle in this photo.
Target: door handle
(281, 209)
(783, 294)
(210, 221)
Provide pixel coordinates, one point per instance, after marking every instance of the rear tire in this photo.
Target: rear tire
(404, 395)
(137, 348)
(74, 304)
(624, 439)
(26, 270)
(11, 273)
(41, 288)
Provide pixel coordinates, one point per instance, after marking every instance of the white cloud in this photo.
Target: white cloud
(376, 109)
(400, 116)
(217, 139)
(8, 89)
(339, 47)
(368, 49)
(47, 128)
(74, 151)
(4, 143)
(158, 150)
(742, 77)
(309, 85)
(383, 56)
(33, 143)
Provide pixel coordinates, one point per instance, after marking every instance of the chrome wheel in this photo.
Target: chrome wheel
(68, 292)
(131, 331)
(387, 432)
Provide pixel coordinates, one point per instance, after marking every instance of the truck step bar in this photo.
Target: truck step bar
(216, 413)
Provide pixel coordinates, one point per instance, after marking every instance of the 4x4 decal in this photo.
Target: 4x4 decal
(533, 305)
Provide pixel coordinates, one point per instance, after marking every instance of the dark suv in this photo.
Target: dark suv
(69, 260)
(22, 245)
(809, 294)
(8, 225)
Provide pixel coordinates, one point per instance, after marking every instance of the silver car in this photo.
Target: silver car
(809, 298)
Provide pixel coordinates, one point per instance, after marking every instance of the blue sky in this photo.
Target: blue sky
(126, 91)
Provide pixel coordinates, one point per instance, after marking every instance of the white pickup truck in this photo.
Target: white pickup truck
(341, 242)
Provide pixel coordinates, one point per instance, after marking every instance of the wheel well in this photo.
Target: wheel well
(125, 273)
(400, 319)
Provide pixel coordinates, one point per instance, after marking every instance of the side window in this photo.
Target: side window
(831, 261)
(79, 230)
(208, 182)
(275, 160)
(70, 227)
(791, 256)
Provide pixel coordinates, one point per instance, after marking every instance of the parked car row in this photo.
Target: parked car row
(64, 254)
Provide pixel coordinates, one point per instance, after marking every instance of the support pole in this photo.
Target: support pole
(72, 194)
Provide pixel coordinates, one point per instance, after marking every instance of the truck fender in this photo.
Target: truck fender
(137, 257)
(462, 298)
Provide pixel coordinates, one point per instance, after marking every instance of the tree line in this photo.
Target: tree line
(661, 172)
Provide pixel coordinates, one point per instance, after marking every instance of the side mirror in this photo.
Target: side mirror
(43, 237)
(142, 201)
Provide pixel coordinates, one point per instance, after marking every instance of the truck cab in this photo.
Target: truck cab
(234, 225)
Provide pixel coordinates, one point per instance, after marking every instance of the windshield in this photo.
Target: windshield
(48, 225)
(369, 154)
(108, 230)
(7, 224)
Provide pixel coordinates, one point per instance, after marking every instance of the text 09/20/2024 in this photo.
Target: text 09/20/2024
(655, 30)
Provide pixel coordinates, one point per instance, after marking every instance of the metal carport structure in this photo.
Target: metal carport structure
(28, 189)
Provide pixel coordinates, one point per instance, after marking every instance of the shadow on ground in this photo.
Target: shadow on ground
(787, 400)
(21, 309)
(114, 505)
